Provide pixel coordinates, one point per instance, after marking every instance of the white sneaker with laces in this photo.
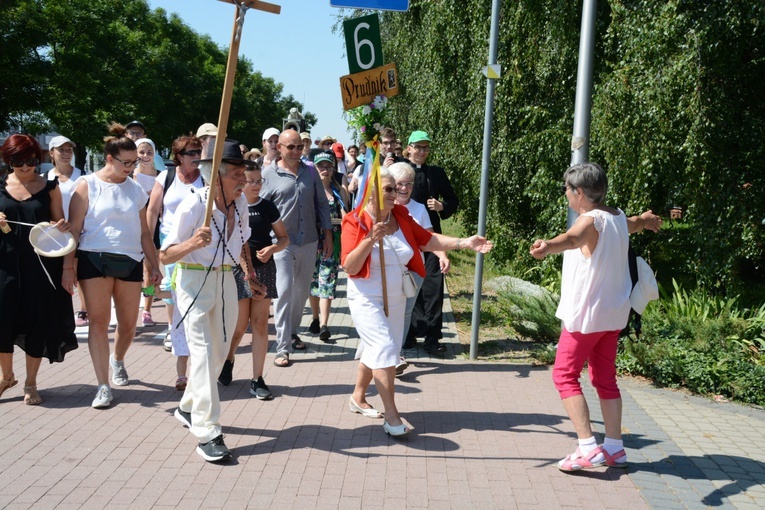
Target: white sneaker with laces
(103, 397)
(119, 375)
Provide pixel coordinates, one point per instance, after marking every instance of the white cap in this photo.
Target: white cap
(58, 141)
(645, 289)
(268, 133)
(207, 129)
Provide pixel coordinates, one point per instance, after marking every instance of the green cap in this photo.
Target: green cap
(418, 136)
(324, 156)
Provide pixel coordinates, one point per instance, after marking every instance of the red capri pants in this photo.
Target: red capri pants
(599, 351)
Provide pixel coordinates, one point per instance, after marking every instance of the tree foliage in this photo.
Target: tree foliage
(75, 65)
(678, 116)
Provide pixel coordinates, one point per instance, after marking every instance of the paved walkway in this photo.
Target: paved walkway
(487, 435)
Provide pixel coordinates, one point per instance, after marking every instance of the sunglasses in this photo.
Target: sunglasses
(18, 163)
(389, 189)
(192, 152)
(292, 146)
(128, 164)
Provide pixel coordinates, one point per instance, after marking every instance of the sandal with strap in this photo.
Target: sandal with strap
(7, 383)
(612, 460)
(282, 360)
(31, 397)
(577, 461)
(181, 382)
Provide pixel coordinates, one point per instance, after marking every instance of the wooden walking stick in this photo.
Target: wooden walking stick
(228, 88)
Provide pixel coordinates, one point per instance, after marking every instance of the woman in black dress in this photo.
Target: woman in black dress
(35, 315)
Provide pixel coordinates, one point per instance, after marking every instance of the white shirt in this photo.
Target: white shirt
(419, 213)
(177, 191)
(112, 223)
(190, 215)
(146, 181)
(67, 188)
(595, 291)
(397, 254)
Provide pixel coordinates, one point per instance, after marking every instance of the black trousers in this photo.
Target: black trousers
(427, 315)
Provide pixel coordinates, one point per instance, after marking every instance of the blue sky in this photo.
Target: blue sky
(296, 48)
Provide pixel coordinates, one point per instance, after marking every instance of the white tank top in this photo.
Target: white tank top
(112, 223)
(177, 191)
(595, 291)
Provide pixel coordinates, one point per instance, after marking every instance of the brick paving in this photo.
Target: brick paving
(487, 435)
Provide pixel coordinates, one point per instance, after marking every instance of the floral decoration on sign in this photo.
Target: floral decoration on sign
(369, 119)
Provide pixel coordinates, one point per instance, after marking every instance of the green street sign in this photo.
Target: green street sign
(362, 40)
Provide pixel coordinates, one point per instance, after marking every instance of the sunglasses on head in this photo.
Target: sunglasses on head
(191, 152)
(18, 163)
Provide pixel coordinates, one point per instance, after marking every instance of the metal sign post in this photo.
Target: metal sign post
(492, 72)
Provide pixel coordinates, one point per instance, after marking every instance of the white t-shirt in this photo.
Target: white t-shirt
(419, 213)
(595, 291)
(67, 188)
(177, 191)
(112, 223)
(146, 181)
(190, 215)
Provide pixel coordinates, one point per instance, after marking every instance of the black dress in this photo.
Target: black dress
(33, 315)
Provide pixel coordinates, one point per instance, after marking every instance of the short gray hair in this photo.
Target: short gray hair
(401, 170)
(591, 178)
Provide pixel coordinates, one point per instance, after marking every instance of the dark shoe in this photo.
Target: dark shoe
(226, 373)
(214, 450)
(259, 389)
(434, 346)
(183, 417)
(324, 334)
(314, 327)
(298, 344)
(409, 343)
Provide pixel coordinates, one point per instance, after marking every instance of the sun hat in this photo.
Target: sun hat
(418, 136)
(252, 152)
(49, 241)
(207, 129)
(324, 156)
(646, 289)
(268, 133)
(58, 141)
(326, 139)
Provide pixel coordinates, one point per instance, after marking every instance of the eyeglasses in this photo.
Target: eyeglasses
(135, 132)
(292, 146)
(421, 148)
(389, 189)
(404, 185)
(18, 163)
(259, 182)
(564, 187)
(192, 152)
(128, 164)
(387, 143)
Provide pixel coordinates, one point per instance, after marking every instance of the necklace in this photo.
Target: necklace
(387, 220)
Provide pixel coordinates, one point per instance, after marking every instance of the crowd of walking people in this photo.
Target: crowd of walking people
(282, 227)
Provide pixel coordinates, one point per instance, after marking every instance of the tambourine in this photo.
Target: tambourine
(49, 241)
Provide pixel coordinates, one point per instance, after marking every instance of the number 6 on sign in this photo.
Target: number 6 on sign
(363, 36)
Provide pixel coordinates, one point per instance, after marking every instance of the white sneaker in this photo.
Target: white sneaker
(119, 375)
(103, 397)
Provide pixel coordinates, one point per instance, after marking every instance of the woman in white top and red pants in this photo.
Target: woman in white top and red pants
(594, 307)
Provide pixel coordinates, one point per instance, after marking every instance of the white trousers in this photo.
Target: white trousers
(214, 310)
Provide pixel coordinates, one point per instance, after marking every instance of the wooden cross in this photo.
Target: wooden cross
(228, 88)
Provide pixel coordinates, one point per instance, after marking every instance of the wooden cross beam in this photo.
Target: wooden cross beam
(256, 4)
(228, 88)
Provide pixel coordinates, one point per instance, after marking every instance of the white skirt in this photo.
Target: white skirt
(381, 337)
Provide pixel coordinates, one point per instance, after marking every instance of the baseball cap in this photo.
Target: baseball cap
(268, 133)
(58, 141)
(207, 129)
(418, 136)
(135, 123)
(305, 135)
(338, 149)
(324, 156)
